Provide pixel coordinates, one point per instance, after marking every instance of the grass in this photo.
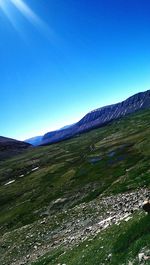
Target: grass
(137, 230)
(65, 172)
(65, 169)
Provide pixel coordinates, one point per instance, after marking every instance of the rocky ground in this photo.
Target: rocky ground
(69, 227)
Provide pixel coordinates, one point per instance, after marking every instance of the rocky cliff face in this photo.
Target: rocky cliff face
(100, 117)
(10, 147)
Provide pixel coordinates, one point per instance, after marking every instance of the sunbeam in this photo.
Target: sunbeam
(4, 5)
(28, 13)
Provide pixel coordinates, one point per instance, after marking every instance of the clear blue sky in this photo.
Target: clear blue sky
(60, 59)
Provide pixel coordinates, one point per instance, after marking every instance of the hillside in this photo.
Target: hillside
(10, 147)
(78, 202)
(100, 117)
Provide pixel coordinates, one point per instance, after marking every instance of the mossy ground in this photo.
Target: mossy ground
(108, 160)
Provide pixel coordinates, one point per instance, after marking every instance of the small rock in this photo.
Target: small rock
(141, 256)
(35, 247)
(128, 218)
(43, 222)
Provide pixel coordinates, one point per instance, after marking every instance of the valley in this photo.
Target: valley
(79, 201)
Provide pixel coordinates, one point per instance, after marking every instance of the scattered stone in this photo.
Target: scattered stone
(43, 222)
(128, 218)
(35, 247)
(83, 222)
(141, 256)
(146, 257)
(109, 257)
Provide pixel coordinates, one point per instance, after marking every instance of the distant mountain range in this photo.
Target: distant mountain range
(34, 140)
(37, 140)
(10, 147)
(96, 118)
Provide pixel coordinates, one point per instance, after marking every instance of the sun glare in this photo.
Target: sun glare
(5, 7)
(27, 12)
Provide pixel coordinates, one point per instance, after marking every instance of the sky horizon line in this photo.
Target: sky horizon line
(74, 121)
(63, 59)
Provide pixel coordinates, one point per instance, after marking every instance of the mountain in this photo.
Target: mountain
(37, 140)
(100, 117)
(34, 140)
(10, 147)
(67, 126)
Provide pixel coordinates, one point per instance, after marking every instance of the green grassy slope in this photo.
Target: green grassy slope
(109, 160)
(117, 246)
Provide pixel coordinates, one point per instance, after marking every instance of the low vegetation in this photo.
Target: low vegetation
(118, 245)
(46, 180)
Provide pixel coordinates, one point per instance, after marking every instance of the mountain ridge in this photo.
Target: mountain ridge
(95, 118)
(100, 117)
